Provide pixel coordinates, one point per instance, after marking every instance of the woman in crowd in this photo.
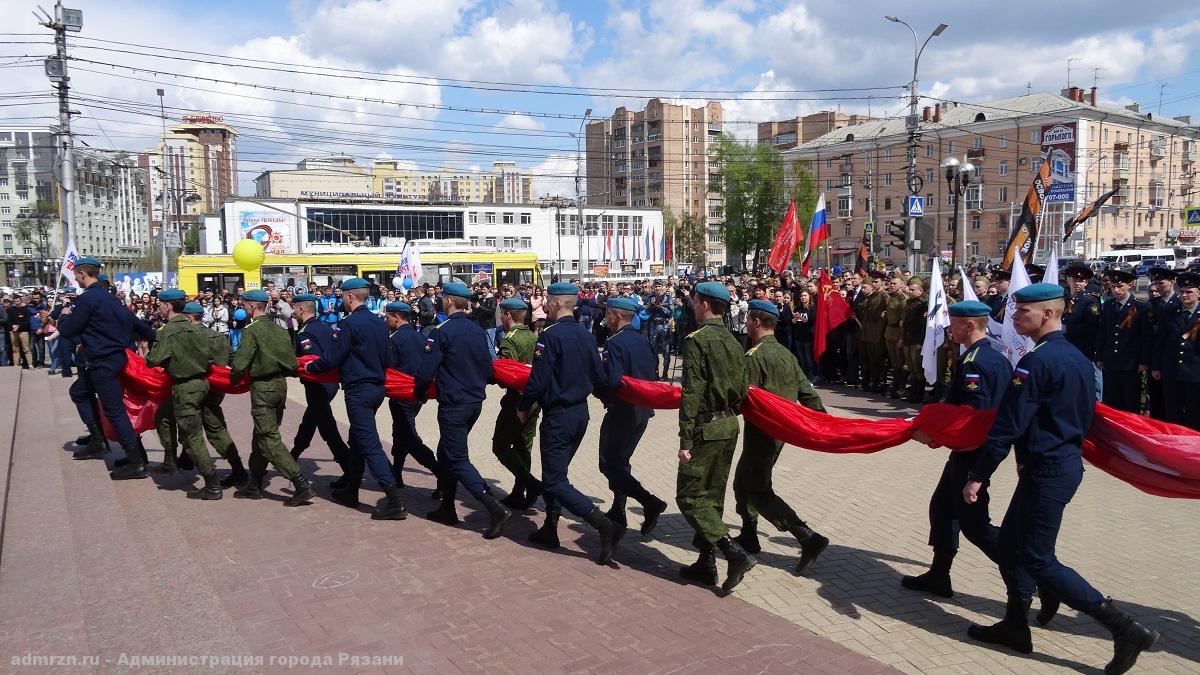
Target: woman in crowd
(804, 314)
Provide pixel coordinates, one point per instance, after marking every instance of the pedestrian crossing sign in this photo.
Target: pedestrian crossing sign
(1193, 216)
(916, 206)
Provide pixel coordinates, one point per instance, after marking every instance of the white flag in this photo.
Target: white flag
(937, 318)
(1051, 275)
(414, 262)
(68, 264)
(1012, 345)
(968, 286)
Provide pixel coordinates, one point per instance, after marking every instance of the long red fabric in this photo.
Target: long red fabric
(1155, 457)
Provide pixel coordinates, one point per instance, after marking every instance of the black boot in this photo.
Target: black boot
(391, 507)
(94, 444)
(252, 488)
(610, 534)
(650, 513)
(347, 494)
(1130, 638)
(515, 498)
(185, 462)
(547, 535)
(135, 468)
(812, 545)
(704, 570)
(498, 514)
(338, 483)
(302, 492)
(168, 466)
(1049, 606)
(739, 562)
(616, 512)
(935, 395)
(916, 390)
(1011, 632)
(533, 490)
(898, 379)
(937, 579)
(238, 475)
(748, 537)
(210, 491)
(445, 513)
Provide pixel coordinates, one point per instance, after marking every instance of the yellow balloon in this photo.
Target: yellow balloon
(248, 255)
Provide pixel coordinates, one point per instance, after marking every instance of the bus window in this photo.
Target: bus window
(332, 275)
(381, 277)
(292, 278)
(220, 282)
(513, 275)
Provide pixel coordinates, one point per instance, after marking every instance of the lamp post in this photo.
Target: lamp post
(582, 230)
(958, 179)
(912, 126)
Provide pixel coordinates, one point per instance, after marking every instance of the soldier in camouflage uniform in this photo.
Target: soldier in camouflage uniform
(512, 441)
(871, 310)
(714, 386)
(212, 417)
(893, 315)
(771, 366)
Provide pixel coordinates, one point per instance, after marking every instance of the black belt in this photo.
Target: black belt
(705, 418)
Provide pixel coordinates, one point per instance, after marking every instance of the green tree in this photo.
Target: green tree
(755, 192)
(689, 237)
(804, 192)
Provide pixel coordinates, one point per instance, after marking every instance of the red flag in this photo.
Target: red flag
(862, 261)
(832, 310)
(785, 241)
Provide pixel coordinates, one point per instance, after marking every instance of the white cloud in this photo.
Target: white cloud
(555, 176)
(519, 121)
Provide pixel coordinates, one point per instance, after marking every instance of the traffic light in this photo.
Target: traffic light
(898, 229)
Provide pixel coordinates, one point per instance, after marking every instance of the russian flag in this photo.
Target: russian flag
(818, 231)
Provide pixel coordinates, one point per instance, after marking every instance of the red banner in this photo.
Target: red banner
(785, 241)
(832, 310)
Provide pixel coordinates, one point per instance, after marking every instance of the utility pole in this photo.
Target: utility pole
(165, 176)
(582, 231)
(56, 69)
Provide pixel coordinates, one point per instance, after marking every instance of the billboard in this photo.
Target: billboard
(1058, 148)
(271, 228)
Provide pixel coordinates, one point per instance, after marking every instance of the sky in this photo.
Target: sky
(463, 83)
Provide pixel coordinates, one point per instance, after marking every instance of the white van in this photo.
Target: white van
(1136, 256)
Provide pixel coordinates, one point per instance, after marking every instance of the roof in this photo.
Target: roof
(954, 116)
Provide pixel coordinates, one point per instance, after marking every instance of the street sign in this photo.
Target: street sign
(869, 227)
(1193, 216)
(173, 240)
(916, 206)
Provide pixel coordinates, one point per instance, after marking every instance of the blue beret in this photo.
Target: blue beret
(969, 308)
(457, 290)
(562, 288)
(304, 297)
(193, 308)
(354, 283)
(402, 307)
(714, 290)
(763, 306)
(513, 304)
(626, 304)
(254, 296)
(88, 261)
(171, 295)
(1039, 293)
(102, 277)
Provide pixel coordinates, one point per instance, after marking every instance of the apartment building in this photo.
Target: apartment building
(197, 157)
(340, 177)
(1093, 147)
(659, 157)
(787, 134)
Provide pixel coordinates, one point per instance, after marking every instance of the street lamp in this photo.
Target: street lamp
(958, 179)
(580, 233)
(911, 125)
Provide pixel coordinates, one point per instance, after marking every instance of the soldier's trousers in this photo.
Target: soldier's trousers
(1158, 404)
(1182, 403)
(99, 378)
(166, 427)
(872, 362)
(453, 455)
(912, 362)
(318, 418)
(1030, 531)
(950, 514)
(215, 429)
(268, 398)
(895, 356)
(512, 441)
(187, 398)
(1123, 390)
(620, 432)
(366, 450)
(700, 484)
(752, 490)
(562, 431)
(405, 439)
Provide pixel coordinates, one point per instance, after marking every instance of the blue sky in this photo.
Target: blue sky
(765, 57)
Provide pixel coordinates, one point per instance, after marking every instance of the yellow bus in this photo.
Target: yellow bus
(297, 271)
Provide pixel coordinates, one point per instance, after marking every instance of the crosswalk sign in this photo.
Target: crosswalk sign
(1193, 215)
(916, 206)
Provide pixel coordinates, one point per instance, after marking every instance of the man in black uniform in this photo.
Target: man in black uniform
(407, 347)
(1119, 342)
(999, 301)
(1176, 355)
(1081, 320)
(315, 337)
(1163, 301)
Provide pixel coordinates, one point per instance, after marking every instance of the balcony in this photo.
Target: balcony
(1188, 155)
(1120, 147)
(1158, 149)
(845, 190)
(1121, 172)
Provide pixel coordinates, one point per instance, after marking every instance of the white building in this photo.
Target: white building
(626, 240)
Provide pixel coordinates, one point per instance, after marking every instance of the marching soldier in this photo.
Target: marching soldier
(714, 386)
(165, 425)
(626, 352)
(565, 370)
(979, 380)
(771, 366)
(459, 356)
(1163, 301)
(361, 354)
(871, 310)
(1119, 343)
(1176, 357)
(183, 350)
(266, 355)
(407, 347)
(893, 317)
(512, 441)
(212, 417)
(315, 337)
(1052, 382)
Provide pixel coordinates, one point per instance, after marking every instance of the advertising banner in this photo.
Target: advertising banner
(600, 270)
(1058, 148)
(272, 229)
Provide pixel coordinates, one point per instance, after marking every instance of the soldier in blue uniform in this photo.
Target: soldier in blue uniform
(1163, 301)
(361, 354)
(1081, 320)
(105, 328)
(566, 369)
(626, 352)
(662, 309)
(407, 347)
(1175, 362)
(1045, 414)
(315, 337)
(979, 379)
(459, 355)
(1120, 346)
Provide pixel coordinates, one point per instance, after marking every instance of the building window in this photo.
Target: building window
(887, 155)
(977, 142)
(526, 242)
(1035, 136)
(1004, 140)
(622, 226)
(489, 217)
(828, 183)
(951, 199)
(5, 210)
(1002, 168)
(973, 248)
(3, 196)
(28, 249)
(474, 241)
(1106, 135)
(829, 163)
(928, 176)
(887, 203)
(846, 231)
(975, 222)
(950, 147)
(868, 156)
(489, 242)
(473, 218)
(929, 149)
(509, 217)
(526, 218)
(844, 207)
(928, 199)
(887, 179)
(1002, 194)
(510, 242)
